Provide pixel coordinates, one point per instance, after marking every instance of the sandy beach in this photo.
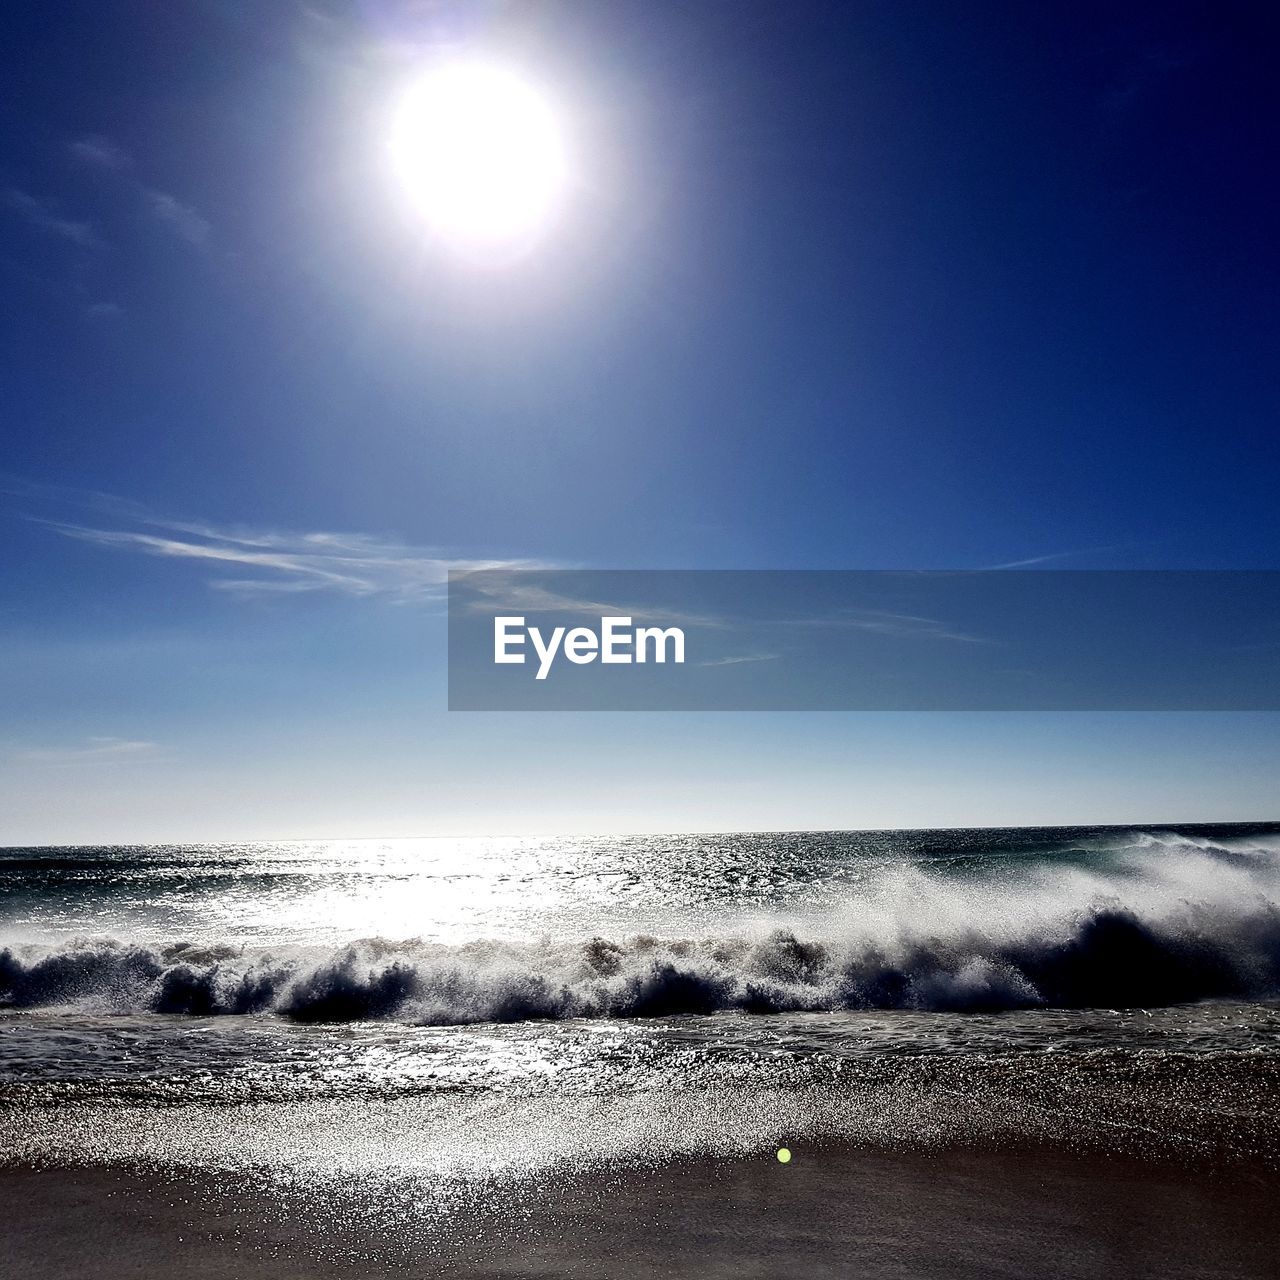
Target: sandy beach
(398, 1106)
(833, 1211)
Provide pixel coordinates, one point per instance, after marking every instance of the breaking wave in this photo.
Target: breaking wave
(1162, 919)
(1106, 956)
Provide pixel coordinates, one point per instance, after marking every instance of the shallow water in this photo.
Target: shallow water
(640, 995)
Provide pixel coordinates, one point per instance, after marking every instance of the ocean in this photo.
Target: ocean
(471, 1005)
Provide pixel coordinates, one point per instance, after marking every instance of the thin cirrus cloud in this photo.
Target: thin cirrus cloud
(181, 218)
(533, 597)
(46, 216)
(736, 660)
(107, 156)
(101, 152)
(883, 622)
(97, 151)
(256, 562)
(101, 750)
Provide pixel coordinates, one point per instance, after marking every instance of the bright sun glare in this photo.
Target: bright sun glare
(483, 156)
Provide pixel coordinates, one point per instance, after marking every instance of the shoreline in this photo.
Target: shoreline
(835, 1210)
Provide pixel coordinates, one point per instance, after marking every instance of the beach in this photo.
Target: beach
(1042, 1052)
(834, 1211)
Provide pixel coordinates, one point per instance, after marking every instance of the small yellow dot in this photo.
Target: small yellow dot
(784, 1155)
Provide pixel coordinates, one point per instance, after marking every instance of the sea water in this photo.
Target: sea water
(561, 998)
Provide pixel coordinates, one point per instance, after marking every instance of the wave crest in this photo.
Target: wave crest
(1106, 956)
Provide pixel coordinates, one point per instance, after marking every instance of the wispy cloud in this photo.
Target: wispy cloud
(1046, 559)
(45, 215)
(533, 597)
(89, 751)
(251, 562)
(1108, 552)
(738, 659)
(906, 626)
(97, 151)
(180, 218)
(100, 152)
(517, 594)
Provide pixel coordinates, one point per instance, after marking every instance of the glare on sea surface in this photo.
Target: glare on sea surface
(482, 154)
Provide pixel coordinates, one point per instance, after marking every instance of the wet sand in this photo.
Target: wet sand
(835, 1211)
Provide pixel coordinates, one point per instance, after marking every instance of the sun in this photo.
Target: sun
(482, 154)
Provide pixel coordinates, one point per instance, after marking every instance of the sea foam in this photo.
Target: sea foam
(1171, 920)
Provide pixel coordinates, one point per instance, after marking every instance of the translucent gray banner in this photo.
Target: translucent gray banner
(863, 640)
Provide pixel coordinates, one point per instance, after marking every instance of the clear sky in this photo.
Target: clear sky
(916, 285)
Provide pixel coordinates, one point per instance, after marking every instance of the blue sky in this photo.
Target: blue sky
(850, 286)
